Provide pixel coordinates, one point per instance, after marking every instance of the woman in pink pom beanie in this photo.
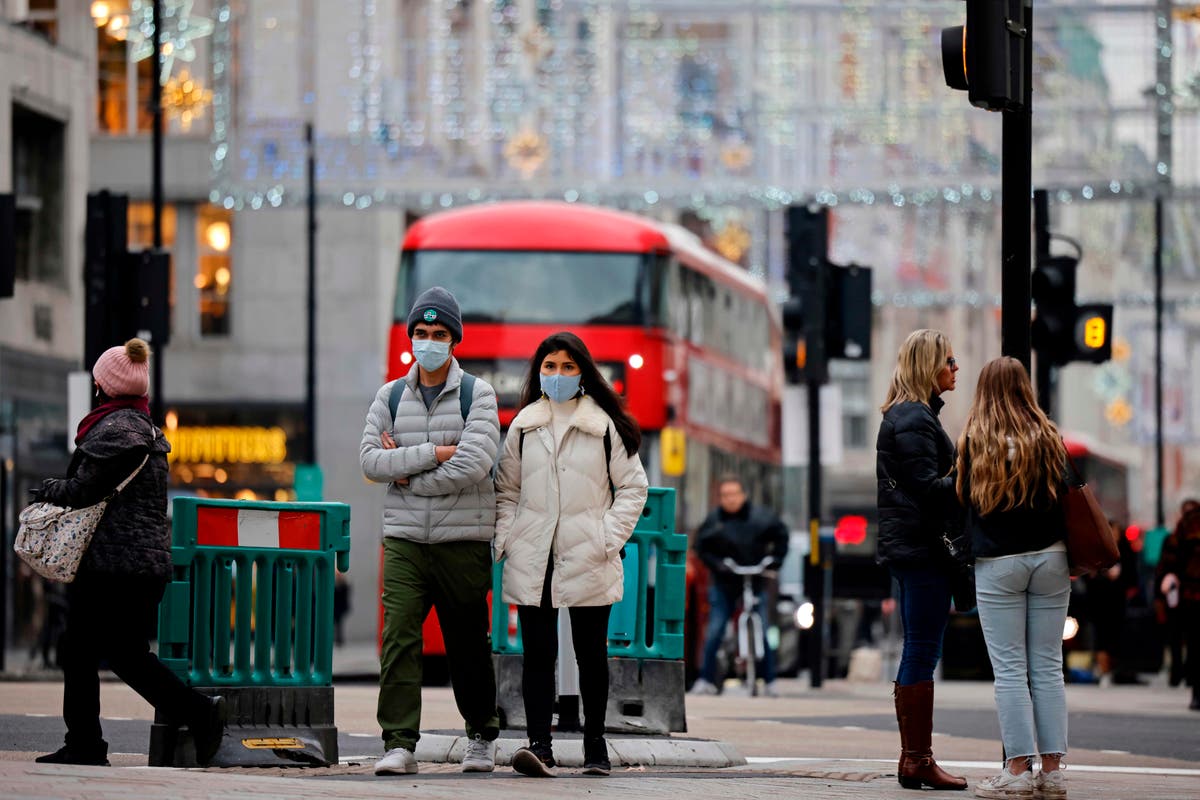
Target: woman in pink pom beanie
(114, 597)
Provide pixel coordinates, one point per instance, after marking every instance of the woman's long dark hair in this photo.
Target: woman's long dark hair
(592, 383)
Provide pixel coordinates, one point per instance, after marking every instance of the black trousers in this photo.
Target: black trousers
(539, 634)
(110, 617)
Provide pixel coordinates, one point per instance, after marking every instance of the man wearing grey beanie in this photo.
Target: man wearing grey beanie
(432, 437)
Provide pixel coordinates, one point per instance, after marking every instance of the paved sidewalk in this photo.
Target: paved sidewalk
(833, 743)
(29, 780)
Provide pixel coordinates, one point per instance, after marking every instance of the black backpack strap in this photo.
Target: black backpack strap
(394, 398)
(466, 393)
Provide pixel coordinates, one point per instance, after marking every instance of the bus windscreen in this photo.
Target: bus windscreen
(506, 286)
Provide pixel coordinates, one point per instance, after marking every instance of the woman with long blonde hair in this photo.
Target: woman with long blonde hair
(914, 464)
(1011, 468)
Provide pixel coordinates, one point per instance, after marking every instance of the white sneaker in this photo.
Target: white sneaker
(771, 689)
(1007, 786)
(1050, 785)
(397, 761)
(702, 687)
(480, 755)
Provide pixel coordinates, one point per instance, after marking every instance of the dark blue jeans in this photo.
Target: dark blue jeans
(924, 604)
(722, 600)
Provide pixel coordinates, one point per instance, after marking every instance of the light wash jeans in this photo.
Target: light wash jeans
(1022, 608)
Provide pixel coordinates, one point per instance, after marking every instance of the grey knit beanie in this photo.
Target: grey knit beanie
(436, 305)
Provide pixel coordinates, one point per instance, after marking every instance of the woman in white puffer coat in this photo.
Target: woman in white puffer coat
(569, 490)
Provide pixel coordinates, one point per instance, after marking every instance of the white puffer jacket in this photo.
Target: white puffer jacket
(565, 508)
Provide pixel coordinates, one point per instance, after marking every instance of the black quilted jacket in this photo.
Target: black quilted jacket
(132, 537)
(913, 460)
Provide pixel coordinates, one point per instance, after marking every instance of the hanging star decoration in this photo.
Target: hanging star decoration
(185, 98)
(180, 31)
(733, 241)
(526, 151)
(736, 156)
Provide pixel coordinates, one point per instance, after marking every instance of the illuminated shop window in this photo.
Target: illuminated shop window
(214, 269)
(124, 66)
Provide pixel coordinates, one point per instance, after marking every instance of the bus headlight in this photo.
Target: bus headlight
(1070, 628)
(805, 616)
(406, 358)
(636, 361)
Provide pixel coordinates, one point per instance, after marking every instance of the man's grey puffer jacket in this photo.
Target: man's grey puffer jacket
(454, 501)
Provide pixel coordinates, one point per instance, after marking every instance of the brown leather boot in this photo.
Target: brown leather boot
(914, 713)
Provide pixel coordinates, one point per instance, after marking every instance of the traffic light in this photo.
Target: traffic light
(1092, 333)
(828, 314)
(848, 333)
(110, 291)
(795, 351)
(808, 280)
(1053, 290)
(152, 269)
(1063, 331)
(986, 57)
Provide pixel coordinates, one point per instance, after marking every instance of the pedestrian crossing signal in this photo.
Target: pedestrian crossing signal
(1093, 333)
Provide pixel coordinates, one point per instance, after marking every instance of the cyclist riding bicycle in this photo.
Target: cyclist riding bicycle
(747, 534)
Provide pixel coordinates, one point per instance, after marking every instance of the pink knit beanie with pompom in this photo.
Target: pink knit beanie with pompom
(124, 370)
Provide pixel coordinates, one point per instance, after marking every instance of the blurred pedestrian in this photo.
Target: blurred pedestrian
(747, 534)
(1168, 602)
(570, 488)
(1180, 568)
(1106, 600)
(432, 437)
(113, 601)
(914, 465)
(1011, 468)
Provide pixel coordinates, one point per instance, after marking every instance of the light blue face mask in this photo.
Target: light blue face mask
(560, 388)
(430, 354)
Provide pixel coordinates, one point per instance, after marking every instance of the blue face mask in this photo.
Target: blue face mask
(430, 354)
(560, 388)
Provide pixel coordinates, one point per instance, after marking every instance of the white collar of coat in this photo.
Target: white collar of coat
(588, 416)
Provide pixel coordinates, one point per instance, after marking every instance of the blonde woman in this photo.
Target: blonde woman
(1011, 466)
(914, 461)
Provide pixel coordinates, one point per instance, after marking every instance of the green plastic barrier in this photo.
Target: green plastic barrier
(250, 602)
(643, 624)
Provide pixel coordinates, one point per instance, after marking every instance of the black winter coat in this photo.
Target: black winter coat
(132, 537)
(747, 536)
(913, 463)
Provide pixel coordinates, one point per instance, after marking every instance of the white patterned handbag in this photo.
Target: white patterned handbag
(52, 539)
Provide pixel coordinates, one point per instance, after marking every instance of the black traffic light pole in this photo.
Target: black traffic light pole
(1041, 229)
(1016, 181)
(156, 194)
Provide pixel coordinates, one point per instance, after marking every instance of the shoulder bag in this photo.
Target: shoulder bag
(52, 539)
(957, 544)
(1091, 544)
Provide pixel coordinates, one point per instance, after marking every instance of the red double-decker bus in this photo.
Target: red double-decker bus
(689, 339)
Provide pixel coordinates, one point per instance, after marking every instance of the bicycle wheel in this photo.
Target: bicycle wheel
(748, 645)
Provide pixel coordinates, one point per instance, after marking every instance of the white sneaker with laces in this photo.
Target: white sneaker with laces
(1050, 785)
(1007, 786)
(397, 761)
(702, 687)
(480, 755)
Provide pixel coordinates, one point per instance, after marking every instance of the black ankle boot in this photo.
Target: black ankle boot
(65, 755)
(595, 756)
(208, 731)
